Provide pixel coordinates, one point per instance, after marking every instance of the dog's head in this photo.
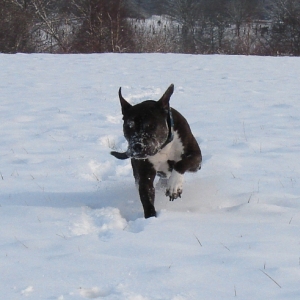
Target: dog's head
(146, 126)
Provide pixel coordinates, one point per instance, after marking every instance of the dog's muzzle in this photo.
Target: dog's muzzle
(141, 149)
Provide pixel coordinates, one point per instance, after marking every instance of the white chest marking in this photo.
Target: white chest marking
(172, 151)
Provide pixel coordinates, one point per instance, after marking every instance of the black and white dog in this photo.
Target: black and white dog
(160, 142)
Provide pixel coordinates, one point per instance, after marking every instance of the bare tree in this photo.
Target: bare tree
(243, 15)
(54, 26)
(189, 15)
(15, 25)
(216, 20)
(103, 26)
(285, 37)
(241, 11)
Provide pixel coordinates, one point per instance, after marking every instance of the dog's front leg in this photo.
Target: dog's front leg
(147, 195)
(188, 163)
(144, 175)
(174, 186)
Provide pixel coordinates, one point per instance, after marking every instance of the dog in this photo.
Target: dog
(160, 142)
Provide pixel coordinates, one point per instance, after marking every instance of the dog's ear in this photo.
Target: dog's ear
(124, 104)
(164, 100)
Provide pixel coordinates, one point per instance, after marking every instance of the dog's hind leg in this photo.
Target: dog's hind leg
(162, 183)
(144, 175)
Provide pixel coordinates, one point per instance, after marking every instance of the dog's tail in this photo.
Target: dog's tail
(119, 155)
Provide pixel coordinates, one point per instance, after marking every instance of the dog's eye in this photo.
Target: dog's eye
(130, 124)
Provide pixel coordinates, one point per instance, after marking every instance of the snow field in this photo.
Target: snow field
(71, 221)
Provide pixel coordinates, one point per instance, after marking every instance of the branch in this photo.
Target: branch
(270, 277)
(41, 12)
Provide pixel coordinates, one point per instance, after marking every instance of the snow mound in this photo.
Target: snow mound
(99, 221)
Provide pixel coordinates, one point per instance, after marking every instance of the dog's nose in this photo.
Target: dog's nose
(137, 148)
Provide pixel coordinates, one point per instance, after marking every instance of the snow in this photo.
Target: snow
(71, 222)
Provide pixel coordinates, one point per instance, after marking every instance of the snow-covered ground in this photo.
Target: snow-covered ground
(71, 223)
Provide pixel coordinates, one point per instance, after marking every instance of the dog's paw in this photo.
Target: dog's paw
(173, 196)
(174, 187)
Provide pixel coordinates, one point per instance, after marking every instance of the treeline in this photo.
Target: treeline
(251, 27)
